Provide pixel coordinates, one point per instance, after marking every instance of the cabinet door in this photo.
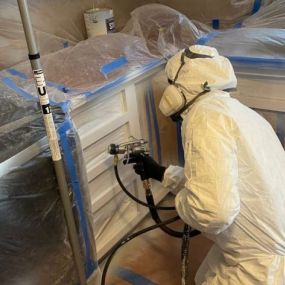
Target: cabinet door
(113, 118)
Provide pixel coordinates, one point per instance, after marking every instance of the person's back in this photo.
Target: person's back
(256, 238)
(232, 186)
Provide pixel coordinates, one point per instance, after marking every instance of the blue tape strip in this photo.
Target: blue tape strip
(132, 277)
(17, 73)
(256, 6)
(58, 86)
(90, 264)
(65, 106)
(205, 39)
(155, 124)
(278, 62)
(149, 126)
(20, 91)
(13, 86)
(116, 64)
(280, 127)
(125, 78)
(181, 158)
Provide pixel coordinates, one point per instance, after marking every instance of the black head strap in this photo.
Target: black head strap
(177, 116)
(189, 54)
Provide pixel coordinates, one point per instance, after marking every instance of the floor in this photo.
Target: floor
(154, 258)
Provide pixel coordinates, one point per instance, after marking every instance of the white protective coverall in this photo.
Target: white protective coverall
(233, 182)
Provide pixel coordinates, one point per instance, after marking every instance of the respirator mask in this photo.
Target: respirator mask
(174, 102)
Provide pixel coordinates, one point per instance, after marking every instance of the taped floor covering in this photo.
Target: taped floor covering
(154, 259)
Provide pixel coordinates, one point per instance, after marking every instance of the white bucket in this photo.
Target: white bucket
(99, 22)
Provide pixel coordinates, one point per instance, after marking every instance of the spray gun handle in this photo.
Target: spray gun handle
(139, 166)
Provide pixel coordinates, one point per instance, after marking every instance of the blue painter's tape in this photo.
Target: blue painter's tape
(256, 6)
(278, 62)
(132, 277)
(13, 86)
(65, 106)
(116, 64)
(181, 158)
(155, 124)
(125, 78)
(17, 73)
(149, 126)
(58, 86)
(90, 264)
(216, 24)
(205, 39)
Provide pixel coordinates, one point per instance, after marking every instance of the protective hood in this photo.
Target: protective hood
(189, 71)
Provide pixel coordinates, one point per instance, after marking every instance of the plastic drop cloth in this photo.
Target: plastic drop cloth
(248, 43)
(51, 28)
(57, 24)
(271, 16)
(164, 30)
(94, 62)
(34, 244)
(227, 12)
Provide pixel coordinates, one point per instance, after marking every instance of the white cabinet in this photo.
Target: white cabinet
(109, 117)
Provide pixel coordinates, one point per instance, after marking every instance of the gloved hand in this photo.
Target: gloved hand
(147, 168)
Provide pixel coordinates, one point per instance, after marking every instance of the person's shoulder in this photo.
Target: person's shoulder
(212, 116)
(215, 106)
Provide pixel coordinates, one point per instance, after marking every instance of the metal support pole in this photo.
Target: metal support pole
(34, 57)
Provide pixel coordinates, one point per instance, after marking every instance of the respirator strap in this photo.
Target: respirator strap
(177, 116)
(189, 54)
(192, 55)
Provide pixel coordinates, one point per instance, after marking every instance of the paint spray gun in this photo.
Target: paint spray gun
(133, 151)
(131, 148)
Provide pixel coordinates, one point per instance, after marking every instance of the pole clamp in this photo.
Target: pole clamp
(34, 56)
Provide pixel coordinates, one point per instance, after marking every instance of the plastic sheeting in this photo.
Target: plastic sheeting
(248, 43)
(224, 13)
(94, 62)
(272, 16)
(57, 24)
(60, 23)
(164, 30)
(34, 243)
(51, 30)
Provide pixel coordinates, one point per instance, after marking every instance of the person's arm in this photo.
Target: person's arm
(210, 200)
(174, 178)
